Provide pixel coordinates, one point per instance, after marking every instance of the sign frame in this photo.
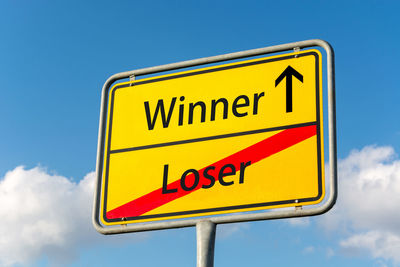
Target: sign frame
(266, 215)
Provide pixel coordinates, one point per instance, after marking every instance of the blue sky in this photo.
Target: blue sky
(55, 57)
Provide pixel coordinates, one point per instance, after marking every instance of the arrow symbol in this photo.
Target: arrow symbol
(288, 73)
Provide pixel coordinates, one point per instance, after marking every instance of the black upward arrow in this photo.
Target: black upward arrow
(288, 73)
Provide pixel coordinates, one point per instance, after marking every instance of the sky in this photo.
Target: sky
(54, 59)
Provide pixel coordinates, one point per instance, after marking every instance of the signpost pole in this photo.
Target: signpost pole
(205, 231)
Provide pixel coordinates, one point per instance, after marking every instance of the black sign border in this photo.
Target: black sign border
(226, 208)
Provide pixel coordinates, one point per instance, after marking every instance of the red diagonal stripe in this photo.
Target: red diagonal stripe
(254, 153)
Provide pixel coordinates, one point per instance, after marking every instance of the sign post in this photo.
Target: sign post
(217, 144)
(205, 231)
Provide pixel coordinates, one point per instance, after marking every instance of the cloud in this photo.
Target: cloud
(299, 222)
(45, 215)
(366, 214)
(308, 250)
(330, 253)
(384, 245)
(227, 230)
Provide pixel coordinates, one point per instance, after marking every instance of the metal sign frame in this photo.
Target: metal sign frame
(268, 215)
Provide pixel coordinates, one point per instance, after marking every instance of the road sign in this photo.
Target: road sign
(230, 138)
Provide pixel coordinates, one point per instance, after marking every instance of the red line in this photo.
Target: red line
(254, 153)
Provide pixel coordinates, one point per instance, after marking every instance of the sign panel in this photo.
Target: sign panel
(224, 139)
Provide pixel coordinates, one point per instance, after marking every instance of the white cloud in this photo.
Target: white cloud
(384, 245)
(367, 210)
(299, 222)
(227, 230)
(45, 215)
(330, 253)
(308, 250)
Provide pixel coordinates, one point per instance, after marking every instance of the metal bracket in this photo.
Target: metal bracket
(124, 225)
(296, 49)
(131, 79)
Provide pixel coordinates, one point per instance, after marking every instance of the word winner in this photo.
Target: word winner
(242, 105)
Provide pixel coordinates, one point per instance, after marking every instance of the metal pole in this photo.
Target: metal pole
(205, 231)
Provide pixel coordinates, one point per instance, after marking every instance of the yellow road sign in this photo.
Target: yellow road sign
(230, 138)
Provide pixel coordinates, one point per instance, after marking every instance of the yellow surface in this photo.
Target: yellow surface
(289, 174)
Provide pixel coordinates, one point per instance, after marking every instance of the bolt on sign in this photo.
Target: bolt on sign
(231, 138)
